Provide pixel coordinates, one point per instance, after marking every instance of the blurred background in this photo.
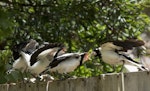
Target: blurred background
(81, 25)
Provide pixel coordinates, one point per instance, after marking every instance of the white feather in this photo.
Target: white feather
(39, 67)
(67, 65)
(22, 63)
(131, 68)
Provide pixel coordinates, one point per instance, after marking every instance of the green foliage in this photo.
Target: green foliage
(5, 55)
(81, 24)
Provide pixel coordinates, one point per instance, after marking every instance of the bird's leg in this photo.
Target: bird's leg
(37, 77)
(104, 67)
(28, 77)
(122, 66)
(60, 76)
(114, 68)
(22, 76)
(66, 76)
(56, 75)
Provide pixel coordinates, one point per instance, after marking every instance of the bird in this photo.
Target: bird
(67, 62)
(41, 58)
(113, 53)
(21, 55)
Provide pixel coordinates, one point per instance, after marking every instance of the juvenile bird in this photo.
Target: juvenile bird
(21, 55)
(42, 57)
(67, 62)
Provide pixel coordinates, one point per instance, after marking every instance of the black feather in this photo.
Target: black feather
(37, 52)
(128, 44)
(81, 61)
(56, 61)
(129, 58)
(98, 53)
(16, 55)
(16, 49)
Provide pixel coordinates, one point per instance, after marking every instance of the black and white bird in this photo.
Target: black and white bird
(113, 53)
(67, 62)
(21, 55)
(41, 58)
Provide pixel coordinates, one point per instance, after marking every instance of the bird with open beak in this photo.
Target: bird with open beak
(67, 62)
(113, 53)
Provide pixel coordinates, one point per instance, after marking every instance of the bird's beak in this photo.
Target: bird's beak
(63, 50)
(86, 56)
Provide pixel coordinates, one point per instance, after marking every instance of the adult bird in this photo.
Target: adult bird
(113, 53)
(67, 62)
(42, 57)
(21, 55)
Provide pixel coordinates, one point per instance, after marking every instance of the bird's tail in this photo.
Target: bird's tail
(146, 61)
(132, 65)
(133, 68)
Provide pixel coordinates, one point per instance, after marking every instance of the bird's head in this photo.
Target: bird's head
(16, 50)
(19, 47)
(62, 50)
(59, 51)
(110, 46)
(96, 52)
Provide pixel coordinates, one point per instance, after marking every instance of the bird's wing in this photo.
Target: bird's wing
(38, 51)
(60, 59)
(128, 44)
(129, 58)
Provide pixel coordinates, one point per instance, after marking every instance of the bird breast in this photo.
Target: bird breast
(22, 63)
(39, 67)
(111, 57)
(66, 66)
